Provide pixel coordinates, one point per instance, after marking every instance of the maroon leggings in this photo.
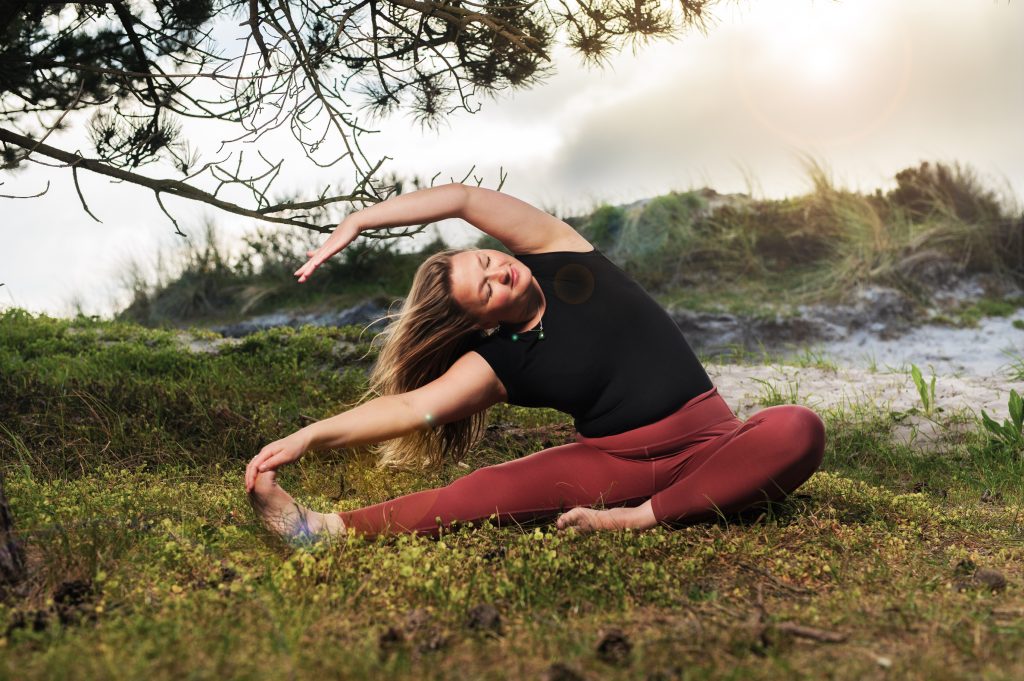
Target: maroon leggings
(694, 464)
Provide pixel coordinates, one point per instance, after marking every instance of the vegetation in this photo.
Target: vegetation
(203, 283)
(122, 450)
(939, 223)
(697, 249)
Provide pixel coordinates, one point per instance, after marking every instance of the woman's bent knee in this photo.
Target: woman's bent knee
(809, 435)
(801, 431)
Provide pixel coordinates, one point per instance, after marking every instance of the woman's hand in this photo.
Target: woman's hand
(341, 237)
(276, 454)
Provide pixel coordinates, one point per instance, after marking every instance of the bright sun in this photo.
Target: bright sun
(822, 63)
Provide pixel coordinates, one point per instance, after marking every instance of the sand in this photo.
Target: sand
(854, 390)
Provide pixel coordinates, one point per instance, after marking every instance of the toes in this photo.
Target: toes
(264, 482)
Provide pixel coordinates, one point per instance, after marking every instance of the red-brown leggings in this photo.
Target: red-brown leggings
(694, 464)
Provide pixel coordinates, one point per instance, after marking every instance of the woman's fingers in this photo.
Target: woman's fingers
(252, 470)
(272, 463)
(307, 269)
(338, 240)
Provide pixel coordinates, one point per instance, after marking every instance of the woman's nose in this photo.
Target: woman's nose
(502, 273)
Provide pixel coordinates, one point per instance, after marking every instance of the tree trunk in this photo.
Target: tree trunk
(12, 557)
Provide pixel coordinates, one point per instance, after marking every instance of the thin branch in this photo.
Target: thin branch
(254, 27)
(177, 229)
(142, 74)
(57, 123)
(27, 196)
(85, 206)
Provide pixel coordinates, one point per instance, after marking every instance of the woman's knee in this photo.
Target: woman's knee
(809, 432)
(803, 432)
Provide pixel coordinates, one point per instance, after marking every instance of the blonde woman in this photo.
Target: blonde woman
(556, 325)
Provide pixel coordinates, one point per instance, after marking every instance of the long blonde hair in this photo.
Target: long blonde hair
(424, 339)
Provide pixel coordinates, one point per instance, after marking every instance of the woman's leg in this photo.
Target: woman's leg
(534, 487)
(770, 455)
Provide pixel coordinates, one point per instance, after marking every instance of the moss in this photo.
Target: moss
(123, 454)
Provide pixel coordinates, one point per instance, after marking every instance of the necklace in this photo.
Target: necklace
(540, 336)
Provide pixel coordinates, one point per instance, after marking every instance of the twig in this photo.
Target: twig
(85, 206)
(821, 635)
(27, 196)
(775, 580)
(758, 622)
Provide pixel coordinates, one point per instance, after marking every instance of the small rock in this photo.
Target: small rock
(561, 672)
(614, 647)
(36, 620)
(432, 641)
(983, 578)
(417, 619)
(70, 600)
(992, 579)
(390, 639)
(485, 618)
(965, 567)
(991, 497)
(73, 593)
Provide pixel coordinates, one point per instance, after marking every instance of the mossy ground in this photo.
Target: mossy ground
(123, 455)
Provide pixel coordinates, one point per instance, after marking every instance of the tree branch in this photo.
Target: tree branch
(177, 188)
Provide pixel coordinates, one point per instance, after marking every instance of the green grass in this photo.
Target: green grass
(969, 314)
(124, 473)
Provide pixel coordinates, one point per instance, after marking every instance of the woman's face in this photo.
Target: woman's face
(492, 286)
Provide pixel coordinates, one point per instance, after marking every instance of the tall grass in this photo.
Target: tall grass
(938, 222)
(205, 279)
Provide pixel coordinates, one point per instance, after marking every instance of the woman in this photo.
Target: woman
(557, 325)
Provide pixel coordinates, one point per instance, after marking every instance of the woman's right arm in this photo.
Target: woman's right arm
(469, 386)
(382, 418)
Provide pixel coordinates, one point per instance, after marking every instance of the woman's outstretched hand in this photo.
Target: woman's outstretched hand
(341, 237)
(275, 454)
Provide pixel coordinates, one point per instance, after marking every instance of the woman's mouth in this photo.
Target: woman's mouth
(513, 275)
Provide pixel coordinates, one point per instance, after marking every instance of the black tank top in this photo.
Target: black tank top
(611, 356)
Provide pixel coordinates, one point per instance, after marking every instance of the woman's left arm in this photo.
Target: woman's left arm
(521, 227)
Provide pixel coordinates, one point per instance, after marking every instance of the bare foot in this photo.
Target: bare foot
(284, 517)
(585, 519)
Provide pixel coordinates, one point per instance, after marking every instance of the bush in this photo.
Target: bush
(931, 191)
(652, 245)
(604, 226)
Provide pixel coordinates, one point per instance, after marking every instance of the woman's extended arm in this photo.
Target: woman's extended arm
(380, 419)
(469, 386)
(522, 228)
(424, 205)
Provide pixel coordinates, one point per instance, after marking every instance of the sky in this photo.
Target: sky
(866, 88)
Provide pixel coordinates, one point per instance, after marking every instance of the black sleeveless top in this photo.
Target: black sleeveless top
(611, 356)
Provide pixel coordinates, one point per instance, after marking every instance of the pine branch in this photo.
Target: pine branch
(183, 189)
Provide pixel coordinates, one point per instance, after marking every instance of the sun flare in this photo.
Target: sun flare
(822, 63)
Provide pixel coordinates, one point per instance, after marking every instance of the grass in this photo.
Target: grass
(123, 454)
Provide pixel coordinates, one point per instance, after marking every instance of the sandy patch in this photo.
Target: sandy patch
(852, 390)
